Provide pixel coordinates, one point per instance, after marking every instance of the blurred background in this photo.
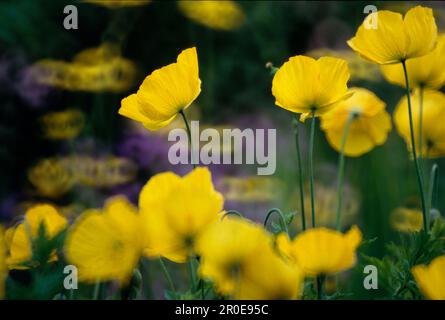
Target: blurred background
(62, 140)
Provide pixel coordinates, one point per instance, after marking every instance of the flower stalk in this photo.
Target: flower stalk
(300, 173)
(189, 135)
(413, 146)
(311, 167)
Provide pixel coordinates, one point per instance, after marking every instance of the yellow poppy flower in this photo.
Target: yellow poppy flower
(427, 71)
(321, 250)
(430, 279)
(62, 125)
(20, 249)
(305, 85)
(237, 255)
(3, 265)
(175, 210)
(165, 92)
(106, 244)
(394, 38)
(222, 15)
(406, 220)
(369, 127)
(433, 130)
(50, 178)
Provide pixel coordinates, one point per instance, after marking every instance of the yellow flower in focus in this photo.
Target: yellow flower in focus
(427, 71)
(406, 220)
(222, 15)
(63, 125)
(20, 248)
(430, 279)
(165, 92)
(176, 210)
(369, 127)
(237, 255)
(106, 244)
(115, 4)
(50, 178)
(3, 265)
(433, 130)
(321, 250)
(394, 38)
(305, 85)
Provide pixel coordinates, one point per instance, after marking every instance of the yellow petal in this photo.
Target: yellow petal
(384, 45)
(430, 278)
(334, 75)
(421, 30)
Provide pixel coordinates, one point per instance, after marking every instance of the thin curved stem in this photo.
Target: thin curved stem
(167, 275)
(413, 146)
(282, 219)
(189, 135)
(341, 170)
(300, 173)
(231, 212)
(96, 290)
(421, 91)
(311, 167)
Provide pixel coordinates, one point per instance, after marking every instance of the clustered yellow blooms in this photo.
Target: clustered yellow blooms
(308, 86)
(54, 177)
(238, 256)
(106, 244)
(165, 92)
(396, 38)
(321, 251)
(426, 71)
(63, 125)
(95, 69)
(433, 130)
(3, 265)
(21, 237)
(370, 125)
(430, 279)
(175, 210)
(221, 15)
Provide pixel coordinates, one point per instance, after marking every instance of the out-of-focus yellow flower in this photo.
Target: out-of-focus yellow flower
(321, 250)
(327, 203)
(238, 257)
(394, 38)
(176, 210)
(221, 15)
(3, 265)
(427, 71)
(368, 129)
(106, 244)
(165, 92)
(406, 220)
(115, 4)
(430, 279)
(305, 85)
(94, 69)
(50, 178)
(433, 130)
(63, 125)
(20, 249)
(251, 189)
(359, 68)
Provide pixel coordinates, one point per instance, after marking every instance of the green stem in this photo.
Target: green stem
(413, 146)
(167, 275)
(300, 173)
(192, 275)
(341, 170)
(320, 280)
(420, 122)
(311, 167)
(96, 290)
(232, 212)
(282, 219)
(433, 181)
(189, 135)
